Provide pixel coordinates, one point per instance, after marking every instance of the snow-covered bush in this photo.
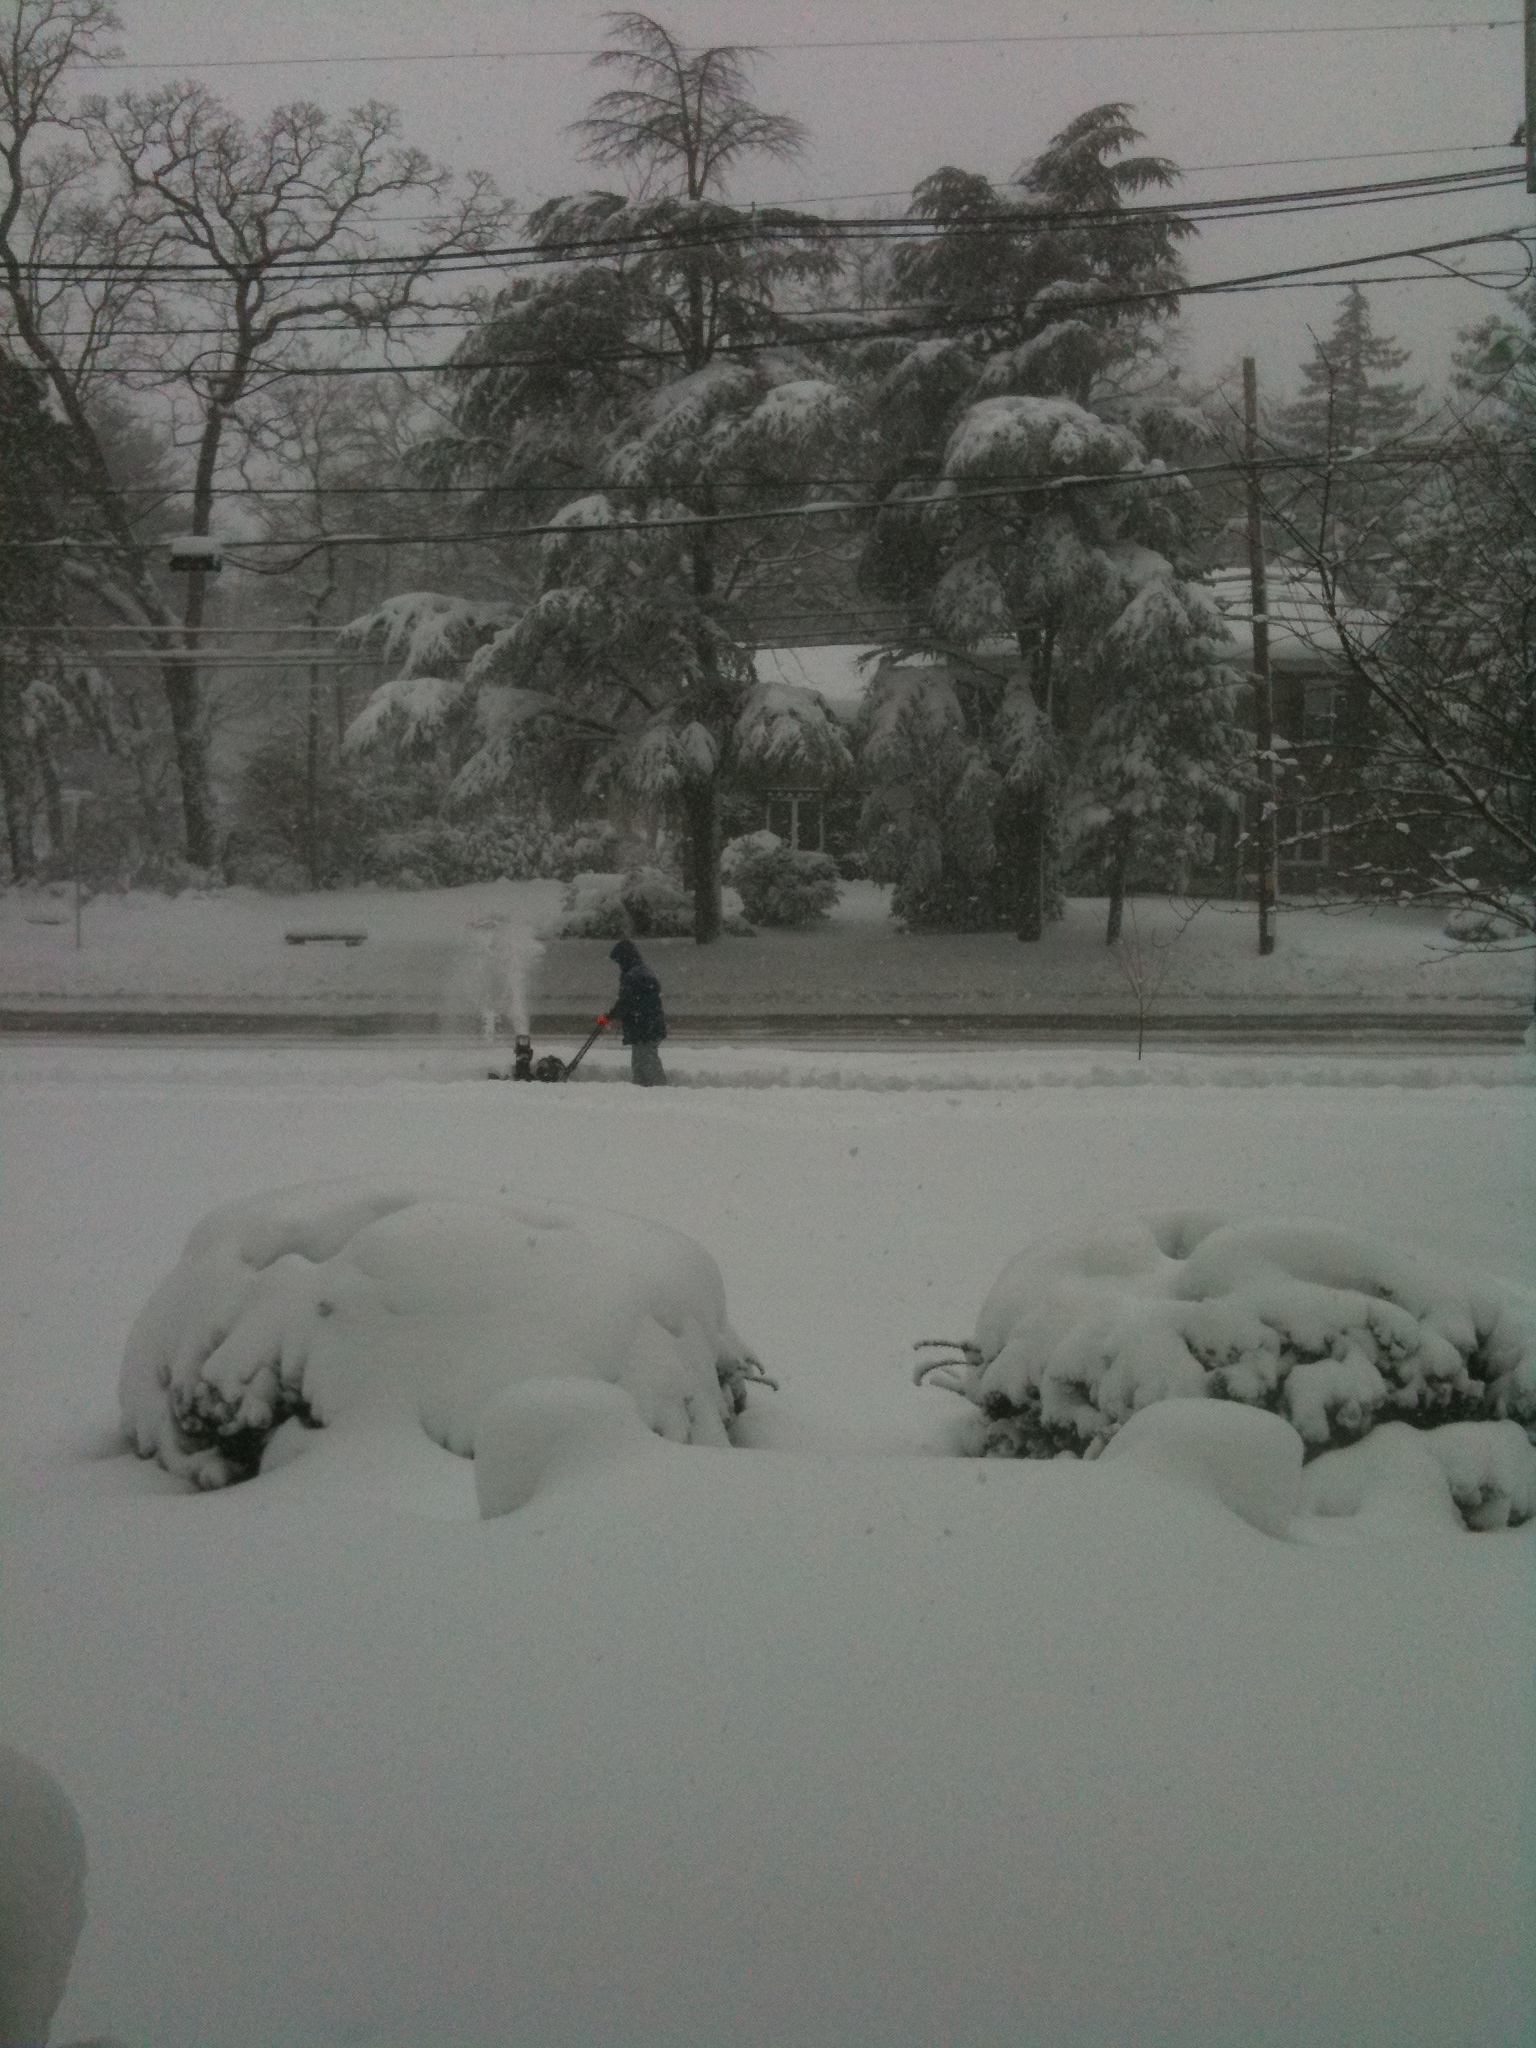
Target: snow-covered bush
(646, 903)
(1482, 1473)
(779, 886)
(1329, 1329)
(743, 847)
(1480, 924)
(341, 1302)
(439, 853)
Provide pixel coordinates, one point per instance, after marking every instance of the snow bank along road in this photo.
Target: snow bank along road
(458, 957)
(829, 1738)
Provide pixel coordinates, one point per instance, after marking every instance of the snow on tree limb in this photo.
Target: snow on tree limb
(424, 631)
(790, 730)
(410, 712)
(1050, 437)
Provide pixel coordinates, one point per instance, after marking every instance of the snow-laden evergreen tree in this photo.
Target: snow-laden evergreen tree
(1349, 397)
(1442, 799)
(1028, 506)
(643, 391)
(1352, 413)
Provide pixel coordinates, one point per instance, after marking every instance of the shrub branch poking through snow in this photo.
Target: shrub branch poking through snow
(356, 1301)
(1329, 1329)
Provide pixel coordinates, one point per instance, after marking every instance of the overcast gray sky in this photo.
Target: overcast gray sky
(881, 118)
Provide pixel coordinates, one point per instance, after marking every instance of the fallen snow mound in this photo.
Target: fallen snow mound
(42, 1897)
(1480, 1474)
(1242, 1457)
(1329, 1329)
(349, 1299)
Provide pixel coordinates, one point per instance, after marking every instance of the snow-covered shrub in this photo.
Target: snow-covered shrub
(1329, 1329)
(779, 886)
(341, 1302)
(1480, 1473)
(743, 847)
(1480, 924)
(646, 903)
(439, 853)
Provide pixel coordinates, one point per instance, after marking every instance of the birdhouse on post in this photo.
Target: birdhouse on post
(197, 551)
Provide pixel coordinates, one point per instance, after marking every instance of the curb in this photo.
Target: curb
(1505, 1026)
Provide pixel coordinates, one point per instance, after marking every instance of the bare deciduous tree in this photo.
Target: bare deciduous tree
(159, 238)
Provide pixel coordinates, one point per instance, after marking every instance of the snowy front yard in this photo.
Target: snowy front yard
(828, 1738)
(447, 954)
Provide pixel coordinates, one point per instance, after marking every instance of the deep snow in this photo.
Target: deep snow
(852, 1742)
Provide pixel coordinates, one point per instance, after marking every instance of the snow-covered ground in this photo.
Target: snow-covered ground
(450, 953)
(828, 1738)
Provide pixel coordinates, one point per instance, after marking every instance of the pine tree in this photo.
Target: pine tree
(1349, 398)
(1050, 374)
(1351, 409)
(649, 374)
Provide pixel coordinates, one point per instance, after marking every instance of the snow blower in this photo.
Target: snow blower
(551, 1067)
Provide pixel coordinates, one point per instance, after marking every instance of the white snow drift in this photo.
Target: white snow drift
(341, 1300)
(42, 1897)
(1327, 1328)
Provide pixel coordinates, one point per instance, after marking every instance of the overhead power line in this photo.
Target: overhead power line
(953, 493)
(843, 325)
(745, 225)
(1495, 280)
(1168, 35)
(570, 487)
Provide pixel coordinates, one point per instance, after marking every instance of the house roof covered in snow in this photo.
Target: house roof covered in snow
(840, 674)
(1303, 639)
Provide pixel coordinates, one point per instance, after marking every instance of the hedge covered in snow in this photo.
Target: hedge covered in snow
(645, 903)
(779, 886)
(343, 1300)
(1328, 1329)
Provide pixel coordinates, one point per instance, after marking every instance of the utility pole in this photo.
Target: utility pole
(1263, 692)
(1530, 95)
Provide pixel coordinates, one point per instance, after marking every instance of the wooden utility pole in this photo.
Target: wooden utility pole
(1263, 693)
(1530, 95)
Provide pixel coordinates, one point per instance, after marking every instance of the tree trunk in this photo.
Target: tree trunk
(13, 765)
(179, 679)
(702, 814)
(1030, 921)
(53, 798)
(1119, 866)
(312, 780)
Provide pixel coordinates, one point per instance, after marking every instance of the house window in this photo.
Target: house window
(1321, 706)
(1303, 835)
(794, 815)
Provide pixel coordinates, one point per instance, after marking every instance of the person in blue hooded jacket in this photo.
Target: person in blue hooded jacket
(637, 1006)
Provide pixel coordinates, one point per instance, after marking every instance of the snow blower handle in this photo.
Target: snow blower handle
(592, 1037)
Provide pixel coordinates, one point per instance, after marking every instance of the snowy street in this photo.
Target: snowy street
(828, 1738)
(440, 958)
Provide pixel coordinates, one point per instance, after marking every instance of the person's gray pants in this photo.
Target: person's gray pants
(645, 1068)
